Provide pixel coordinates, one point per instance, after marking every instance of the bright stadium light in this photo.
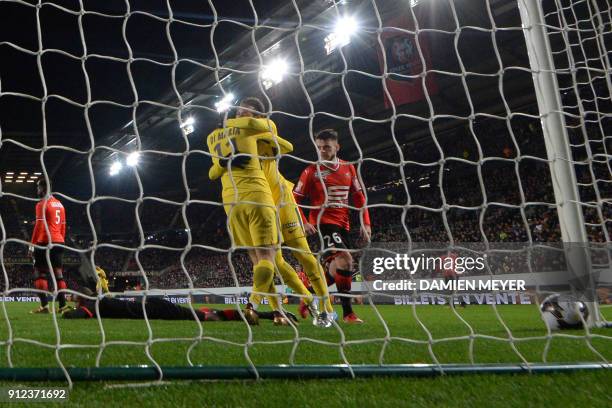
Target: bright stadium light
(188, 125)
(274, 72)
(344, 29)
(190, 121)
(133, 159)
(115, 168)
(224, 103)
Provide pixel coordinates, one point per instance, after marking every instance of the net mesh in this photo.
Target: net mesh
(464, 160)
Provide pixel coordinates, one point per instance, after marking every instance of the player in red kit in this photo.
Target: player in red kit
(448, 269)
(50, 227)
(328, 187)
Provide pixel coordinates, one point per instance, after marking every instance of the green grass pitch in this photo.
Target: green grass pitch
(273, 345)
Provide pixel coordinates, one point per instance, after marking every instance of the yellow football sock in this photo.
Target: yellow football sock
(263, 278)
(291, 278)
(273, 300)
(313, 270)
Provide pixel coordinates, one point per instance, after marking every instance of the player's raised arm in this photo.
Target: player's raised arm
(275, 140)
(263, 130)
(253, 123)
(250, 116)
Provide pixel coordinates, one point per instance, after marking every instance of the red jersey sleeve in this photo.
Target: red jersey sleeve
(37, 223)
(302, 188)
(358, 196)
(300, 191)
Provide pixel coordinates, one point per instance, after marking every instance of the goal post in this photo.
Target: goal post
(565, 184)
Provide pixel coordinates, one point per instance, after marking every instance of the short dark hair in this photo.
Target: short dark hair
(254, 103)
(42, 182)
(327, 134)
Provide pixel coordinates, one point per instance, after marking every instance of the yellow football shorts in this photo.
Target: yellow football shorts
(253, 225)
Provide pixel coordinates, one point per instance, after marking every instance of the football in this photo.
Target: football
(561, 312)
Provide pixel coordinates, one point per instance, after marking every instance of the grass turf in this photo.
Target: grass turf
(409, 331)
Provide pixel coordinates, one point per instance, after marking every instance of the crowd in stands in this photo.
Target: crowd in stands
(496, 187)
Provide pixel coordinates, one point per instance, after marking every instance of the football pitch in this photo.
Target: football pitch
(223, 343)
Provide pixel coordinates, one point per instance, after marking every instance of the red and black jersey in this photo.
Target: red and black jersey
(53, 212)
(338, 182)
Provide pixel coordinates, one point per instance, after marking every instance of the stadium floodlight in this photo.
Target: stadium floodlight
(115, 168)
(133, 159)
(344, 29)
(274, 72)
(224, 103)
(188, 125)
(190, 121)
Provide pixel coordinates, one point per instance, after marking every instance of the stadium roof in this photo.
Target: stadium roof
(157, 121)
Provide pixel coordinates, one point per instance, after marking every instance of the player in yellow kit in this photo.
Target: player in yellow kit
(292, 231)
(102, 281)
(247, 197)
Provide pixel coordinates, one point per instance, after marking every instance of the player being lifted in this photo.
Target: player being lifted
(50, 227)
(292, 230)
(247, 198)
(329, 188)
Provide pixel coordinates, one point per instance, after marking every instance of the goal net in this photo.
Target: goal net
(479, 131)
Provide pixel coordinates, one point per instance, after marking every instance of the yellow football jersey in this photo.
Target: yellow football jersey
(282, 189)
(282, 193)
(241, 135)
(102, 280)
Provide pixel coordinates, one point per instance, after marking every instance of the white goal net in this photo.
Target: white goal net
(477, 129)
